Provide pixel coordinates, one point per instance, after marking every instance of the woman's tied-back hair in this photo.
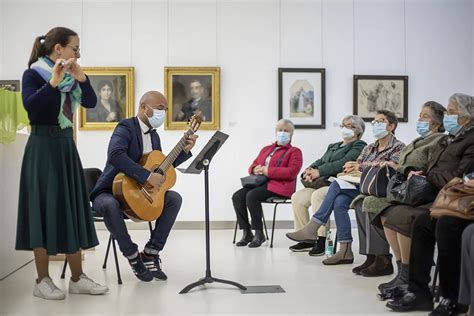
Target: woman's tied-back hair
(44, 44)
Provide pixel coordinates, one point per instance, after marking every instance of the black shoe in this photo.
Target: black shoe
(393, 293)
(258, 239)
(302, 247)
(447, 308)
(153, 264)
(368, 261)
(139, 269)
(411, 302)
(382, 265)
(319, 247)
(247, 237)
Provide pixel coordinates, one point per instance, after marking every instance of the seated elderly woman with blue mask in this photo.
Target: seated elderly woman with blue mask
(386, 149)
(315, 179)
(280, 162)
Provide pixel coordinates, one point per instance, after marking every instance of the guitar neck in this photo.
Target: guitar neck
(170, 159)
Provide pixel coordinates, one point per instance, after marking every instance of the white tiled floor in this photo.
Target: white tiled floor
(311, 288)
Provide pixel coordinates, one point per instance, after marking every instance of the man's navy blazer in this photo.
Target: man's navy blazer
(124, 152)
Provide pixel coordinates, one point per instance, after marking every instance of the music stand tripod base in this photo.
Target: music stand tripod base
(210, 279)
(201, 162)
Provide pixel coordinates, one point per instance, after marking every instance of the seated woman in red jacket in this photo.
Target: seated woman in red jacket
(281, 163)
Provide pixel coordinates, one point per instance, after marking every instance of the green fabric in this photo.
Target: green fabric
(331, 163)
(414, 156)
(12, 115)
(54, 210)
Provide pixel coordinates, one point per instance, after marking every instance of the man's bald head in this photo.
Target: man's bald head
(154, 98)
(151, 100)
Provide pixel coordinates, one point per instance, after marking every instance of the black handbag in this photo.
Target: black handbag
(374, 180)
(316, 184)
(415, 191)
(256, 180)
(253, 181)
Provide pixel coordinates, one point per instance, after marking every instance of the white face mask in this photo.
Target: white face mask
(347, 133)
(158, 117)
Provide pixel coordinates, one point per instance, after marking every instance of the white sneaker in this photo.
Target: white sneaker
(86, 286)
(48, 290)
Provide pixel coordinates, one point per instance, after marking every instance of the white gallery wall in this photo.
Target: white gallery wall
(431, 41)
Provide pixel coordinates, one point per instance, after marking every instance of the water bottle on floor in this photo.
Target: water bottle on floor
(329, 249)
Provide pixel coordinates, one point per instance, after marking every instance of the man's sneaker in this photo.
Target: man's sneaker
(302, 247)
(139, 269)
(319, 247)
(153, 264)
(85, 285)
(448, 307)
(48, 290)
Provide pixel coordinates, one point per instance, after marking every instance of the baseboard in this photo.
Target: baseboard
(199, 225)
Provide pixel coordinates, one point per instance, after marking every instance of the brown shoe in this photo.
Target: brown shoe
(382, 265)
(370, 259)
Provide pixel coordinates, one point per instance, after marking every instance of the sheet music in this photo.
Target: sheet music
(343, 184)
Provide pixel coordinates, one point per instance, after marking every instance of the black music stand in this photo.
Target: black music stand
(201, 162)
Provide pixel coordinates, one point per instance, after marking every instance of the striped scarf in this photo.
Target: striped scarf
(71, 92)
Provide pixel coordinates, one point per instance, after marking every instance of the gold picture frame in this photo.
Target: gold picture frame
(114, 87)
(190, 90)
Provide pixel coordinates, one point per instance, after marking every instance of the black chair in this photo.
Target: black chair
(271, 200)
(435, 289)
(91, 176)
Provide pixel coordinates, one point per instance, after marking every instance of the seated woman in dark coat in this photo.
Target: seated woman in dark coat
(452, 158)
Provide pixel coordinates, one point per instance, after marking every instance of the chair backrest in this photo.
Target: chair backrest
(91, 175)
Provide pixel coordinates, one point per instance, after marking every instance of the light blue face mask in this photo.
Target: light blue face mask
(283, 138)
(379, 130)
(422, 128)
(158, 117)
(450, 123)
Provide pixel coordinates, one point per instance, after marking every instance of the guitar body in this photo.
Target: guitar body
(141, 202)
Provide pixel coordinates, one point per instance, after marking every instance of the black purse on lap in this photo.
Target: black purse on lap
(256, 180)
(415, 191)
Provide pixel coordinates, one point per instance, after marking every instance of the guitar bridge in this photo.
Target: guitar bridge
(147, 195)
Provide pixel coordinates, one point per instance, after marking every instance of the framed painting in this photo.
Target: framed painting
(302, 97)
(192, 90)
(373, 93)
(114, 88)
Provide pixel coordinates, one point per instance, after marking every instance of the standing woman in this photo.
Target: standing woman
(54, 213)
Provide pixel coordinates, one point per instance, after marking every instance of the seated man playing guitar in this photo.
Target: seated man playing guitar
(132, 138)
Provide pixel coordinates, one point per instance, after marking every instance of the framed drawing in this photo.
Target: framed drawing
(192, 90)
(11, 85)
(374, 93)
(302, 97)
(115, 97)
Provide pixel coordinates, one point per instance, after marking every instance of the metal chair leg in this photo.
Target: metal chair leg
(273, 224)
(434, 291)
(235, 232)
(104, 266)
(119, 278)
(265, 225)
(335, 243)
(64, 268)
(151, 227)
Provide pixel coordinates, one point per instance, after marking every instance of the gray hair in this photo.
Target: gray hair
(287, 123)
(358, 124)
(465, 103)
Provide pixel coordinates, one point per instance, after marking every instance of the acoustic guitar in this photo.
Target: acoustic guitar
(144, 202)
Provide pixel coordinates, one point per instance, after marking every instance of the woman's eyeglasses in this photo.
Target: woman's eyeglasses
(75, 49)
